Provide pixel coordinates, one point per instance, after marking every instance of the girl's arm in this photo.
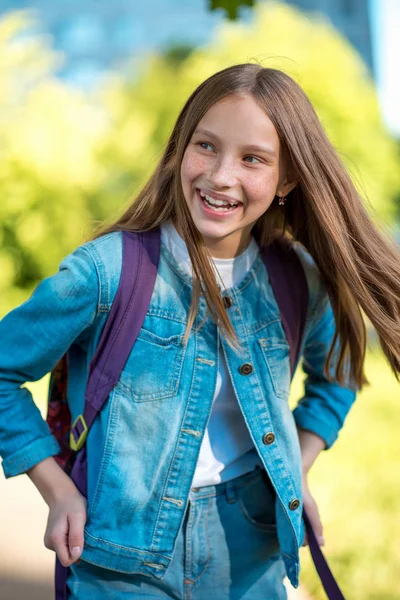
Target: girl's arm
(325, 403)
(34, 337)
(310, 447)
(67, 510)
(321, 412)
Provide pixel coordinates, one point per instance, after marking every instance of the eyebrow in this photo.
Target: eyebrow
(252, 147)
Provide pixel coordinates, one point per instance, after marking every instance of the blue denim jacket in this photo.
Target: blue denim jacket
(143, 449)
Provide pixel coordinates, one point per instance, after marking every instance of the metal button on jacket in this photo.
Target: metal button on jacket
(294, 504)
(268, 438)
(227, 301)
(246, 369)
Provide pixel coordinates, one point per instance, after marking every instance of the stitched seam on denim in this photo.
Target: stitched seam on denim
(86, 249)
(96, 564)
(208, 546)
(263, 324)
(181, 274)
(177, 370)
(187, 590)
(156, 340)
(100, 269)
(104, 308)
(260, 526)
(153, 565)
(164, 314)
(279, 392)
(127, 548)
(191, 432)
(253, 271)
(94, 245)
(173, 501)
(249, 477)
(143, 399)
(188, 549)
(212, 495)
(277, 448)
(206, 361)
(292, 527)
(240, 316)
(156, 525)
(171, 391)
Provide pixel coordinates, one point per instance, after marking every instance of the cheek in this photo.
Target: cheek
(192, 167)
(262, 189)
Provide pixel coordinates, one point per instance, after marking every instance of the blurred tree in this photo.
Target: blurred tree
(316, 55)
(48, 169)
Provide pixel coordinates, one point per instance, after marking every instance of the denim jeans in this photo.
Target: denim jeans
(227, 549)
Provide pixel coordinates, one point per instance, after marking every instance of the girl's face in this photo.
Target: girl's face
(231, 171)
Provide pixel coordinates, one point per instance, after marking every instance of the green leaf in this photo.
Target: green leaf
(231, 7)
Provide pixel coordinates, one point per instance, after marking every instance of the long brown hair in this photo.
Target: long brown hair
(360, 268)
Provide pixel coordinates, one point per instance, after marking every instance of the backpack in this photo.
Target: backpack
(140, 258)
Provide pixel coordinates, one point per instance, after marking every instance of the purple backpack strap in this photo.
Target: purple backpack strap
(289, 285)
(140, 257)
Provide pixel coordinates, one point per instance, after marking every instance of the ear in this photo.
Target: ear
(285, 187)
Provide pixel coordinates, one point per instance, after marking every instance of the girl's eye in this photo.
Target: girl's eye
(255, 158)
(202, 144)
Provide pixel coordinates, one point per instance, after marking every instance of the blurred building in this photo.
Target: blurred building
(98, 35)
(350, 17)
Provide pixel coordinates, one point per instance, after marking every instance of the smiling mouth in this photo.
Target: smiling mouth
(217, 205)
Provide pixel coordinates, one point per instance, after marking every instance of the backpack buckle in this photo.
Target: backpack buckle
(81, 429)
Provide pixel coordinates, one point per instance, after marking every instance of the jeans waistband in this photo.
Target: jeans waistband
(229, 487)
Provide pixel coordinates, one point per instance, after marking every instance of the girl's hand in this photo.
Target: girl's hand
(311, 509)
(64, 532)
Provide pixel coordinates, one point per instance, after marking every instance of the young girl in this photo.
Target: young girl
(197, 468)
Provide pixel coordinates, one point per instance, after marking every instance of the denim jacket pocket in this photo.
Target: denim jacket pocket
(276, 355)
(154, 368)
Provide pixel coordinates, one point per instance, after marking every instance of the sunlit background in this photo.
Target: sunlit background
(90, 90)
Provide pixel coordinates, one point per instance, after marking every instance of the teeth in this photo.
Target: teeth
(215, 202)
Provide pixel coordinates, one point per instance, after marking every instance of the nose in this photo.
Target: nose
(223, 173)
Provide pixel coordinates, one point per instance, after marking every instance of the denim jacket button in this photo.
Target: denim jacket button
(227, 301)
(246, 369)
(294, 505)
(268, 438)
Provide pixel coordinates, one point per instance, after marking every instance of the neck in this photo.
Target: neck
(226, 247)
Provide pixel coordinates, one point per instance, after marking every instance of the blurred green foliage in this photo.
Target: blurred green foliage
(48, 168)
(356, 485)
(69, 159)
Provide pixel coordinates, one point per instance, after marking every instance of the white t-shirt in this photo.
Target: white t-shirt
(227, 450)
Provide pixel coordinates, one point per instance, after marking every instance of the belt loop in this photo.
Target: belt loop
(230, 491)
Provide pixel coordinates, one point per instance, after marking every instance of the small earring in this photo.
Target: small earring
(282, 200)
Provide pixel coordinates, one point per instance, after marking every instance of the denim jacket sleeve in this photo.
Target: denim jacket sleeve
(34, 337)
(325, 404)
